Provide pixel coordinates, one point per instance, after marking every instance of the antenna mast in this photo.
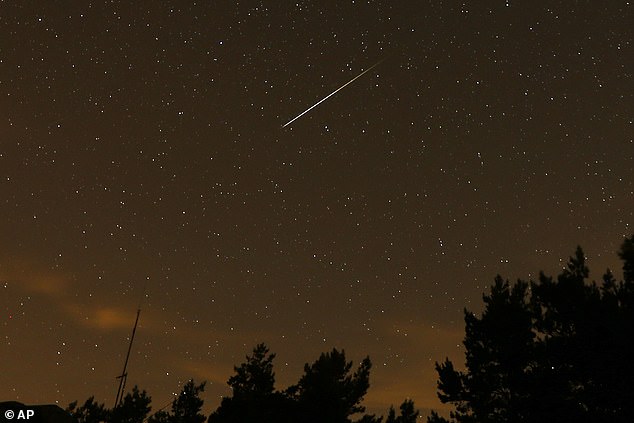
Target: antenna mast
(124, 375)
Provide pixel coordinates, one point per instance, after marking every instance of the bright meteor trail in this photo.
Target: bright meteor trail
(331, 94)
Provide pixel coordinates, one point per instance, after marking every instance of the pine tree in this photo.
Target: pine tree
(558, 349)
(328, 393)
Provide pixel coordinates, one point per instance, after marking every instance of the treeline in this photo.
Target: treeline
(552, 350)
(329, 391)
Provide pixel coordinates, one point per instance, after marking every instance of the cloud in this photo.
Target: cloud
(409, 371)
(109, 318)
(212, 372)
(58, 290)
(27, 278)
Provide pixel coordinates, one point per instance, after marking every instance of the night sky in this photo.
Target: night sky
(143, 162)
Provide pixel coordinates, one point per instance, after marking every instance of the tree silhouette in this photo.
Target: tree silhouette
(254, 397)
(369, 418)
(133, 409)
(89, 412)
(408, 413)
(627, 255)
(185, 408)
(327, 392)
(255, 377)
(499, 350)
(553, 350)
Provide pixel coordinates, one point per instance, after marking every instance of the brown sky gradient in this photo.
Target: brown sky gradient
(143, 161)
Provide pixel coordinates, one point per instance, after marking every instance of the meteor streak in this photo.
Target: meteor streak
(332, 93)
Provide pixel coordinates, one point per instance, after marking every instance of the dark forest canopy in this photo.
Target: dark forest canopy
(553, 350)
(329, 391)
(558, 349)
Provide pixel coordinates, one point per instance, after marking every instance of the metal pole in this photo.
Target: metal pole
(124, 374)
